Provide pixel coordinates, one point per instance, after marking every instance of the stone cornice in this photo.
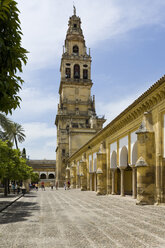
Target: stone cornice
(153, 96)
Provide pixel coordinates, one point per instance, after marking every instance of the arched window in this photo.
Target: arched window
(85, 74)
(43, 176)
(51, 176)
(75, 50)
(67, 73)
(76, 71)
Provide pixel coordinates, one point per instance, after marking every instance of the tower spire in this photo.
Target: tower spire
(74, 9)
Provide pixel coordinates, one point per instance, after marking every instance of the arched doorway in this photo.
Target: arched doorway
(43, 176)
(51, 176)
(126, 173)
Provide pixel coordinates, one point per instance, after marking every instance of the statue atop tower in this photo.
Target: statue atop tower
(76, 119)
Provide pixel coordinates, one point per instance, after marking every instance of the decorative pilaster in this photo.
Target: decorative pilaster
(73, 176)
(67, 177)
(83, 175)
(101, 170)
(146, 162)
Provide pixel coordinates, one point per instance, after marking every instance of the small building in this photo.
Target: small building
(45, 169)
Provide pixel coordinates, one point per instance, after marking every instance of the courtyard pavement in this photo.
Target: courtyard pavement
(71, 218)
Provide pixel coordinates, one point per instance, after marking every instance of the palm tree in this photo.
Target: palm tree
(11, 131)
(5, 126)
(16, 134)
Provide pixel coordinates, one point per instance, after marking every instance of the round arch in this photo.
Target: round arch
(43, 176)
(124, 157)
(75, 49)
(114, 160)
(76, 71)
(51, 176)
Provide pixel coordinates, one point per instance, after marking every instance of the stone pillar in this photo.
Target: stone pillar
(67, 178)
(83, 175)
(77, 181)
(134, 182)
(146, 162)
(113, 181)
(101, 173)
(91, 181)
(73, 176)
(122, 182)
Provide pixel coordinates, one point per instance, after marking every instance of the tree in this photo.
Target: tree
(35, 177)
(16, 133)
(12, 56)
(5, 126)
(12, 165)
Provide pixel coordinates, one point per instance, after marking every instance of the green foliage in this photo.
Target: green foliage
(12, 165)
(12, 56)
(35, 177)
(11, 131)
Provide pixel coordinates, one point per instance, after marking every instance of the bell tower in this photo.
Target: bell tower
(76, 119)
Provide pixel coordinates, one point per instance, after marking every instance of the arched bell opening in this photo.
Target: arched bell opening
(76, 71)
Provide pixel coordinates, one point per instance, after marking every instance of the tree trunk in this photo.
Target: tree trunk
(8, 187)
(5, 188)
(16, 144)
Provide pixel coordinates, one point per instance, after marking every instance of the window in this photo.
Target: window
(76, 71)
(85, 74)
(85, 65)
(67, 73)
(75, 50)
(67, 64)
(75, 25)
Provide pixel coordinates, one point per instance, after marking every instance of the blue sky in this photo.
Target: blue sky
(127, 40)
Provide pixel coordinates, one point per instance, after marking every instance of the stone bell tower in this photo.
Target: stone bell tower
(76, 119)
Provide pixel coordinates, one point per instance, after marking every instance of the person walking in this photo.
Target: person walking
(42, 186)
(51, 185)
(65, 185)
(56, 185)
(68, 184)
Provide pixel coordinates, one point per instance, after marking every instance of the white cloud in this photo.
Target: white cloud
(40, 140)
(37, 130)
(35, 103)
(44, 23)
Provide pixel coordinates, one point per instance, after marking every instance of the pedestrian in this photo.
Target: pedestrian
(65, 185)
(36, 186)
(13, 188)
(18, 189)
(56, 185)
(42, 186)
(68, 184)
(51, 185)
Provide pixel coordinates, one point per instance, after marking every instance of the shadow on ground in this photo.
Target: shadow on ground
(19, 211)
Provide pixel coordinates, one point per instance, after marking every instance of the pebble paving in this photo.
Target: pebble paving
(72, 218)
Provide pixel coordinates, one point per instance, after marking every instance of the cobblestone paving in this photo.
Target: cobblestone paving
(71, 218)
